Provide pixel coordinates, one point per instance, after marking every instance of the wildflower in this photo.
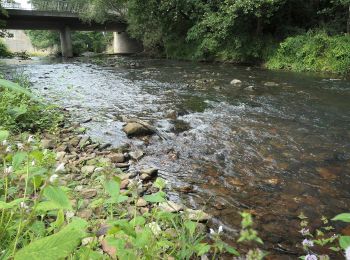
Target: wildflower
(31, 139)
(60, 168)
(69, 214)
(310, 257)
(53, 178)
(8, 149)
(212, 232)
(305, 231)
(23, 205)
(33, 163)
(9, 170)
(4, 143)
(20, 146)
(347, 253)
(308, 243)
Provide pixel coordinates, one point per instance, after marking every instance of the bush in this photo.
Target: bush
(314, 51)
(20, 111)
(4, 51)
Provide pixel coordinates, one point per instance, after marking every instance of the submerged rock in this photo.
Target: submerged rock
(236, 82)
(271, 84)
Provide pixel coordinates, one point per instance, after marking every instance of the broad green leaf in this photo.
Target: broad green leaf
(57, 246)
(143, 238)
(138, 221)
(190, 226)
(57, 196)
(112, 188)
(202, 248)
(18, 159)
(345, 217)
(156, 197)
(46, 206)
(344, 242)
(18, 111)
(15, 88)
(231, 250)
(4, 135)
(10, 205)
(159, 183)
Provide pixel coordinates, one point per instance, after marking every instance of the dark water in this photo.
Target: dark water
(274, 150)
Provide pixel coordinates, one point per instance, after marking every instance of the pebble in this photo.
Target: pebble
(117, 158)
(88, 169)
(137, 155)
(141, 202)
(170, 206)
(88, 193)
(47, 144)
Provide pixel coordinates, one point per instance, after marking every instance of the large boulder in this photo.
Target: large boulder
(137, 129)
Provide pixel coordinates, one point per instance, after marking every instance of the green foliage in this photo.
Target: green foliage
(21, 110)
(4, 51)
(313, 52)
(82, 41)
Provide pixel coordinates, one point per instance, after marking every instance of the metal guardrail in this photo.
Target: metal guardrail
(53, 5)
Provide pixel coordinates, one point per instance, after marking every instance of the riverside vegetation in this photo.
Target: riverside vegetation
(64, 196)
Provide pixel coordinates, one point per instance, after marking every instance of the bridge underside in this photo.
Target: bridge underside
(65, 23)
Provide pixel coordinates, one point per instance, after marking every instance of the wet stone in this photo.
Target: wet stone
(88, 193)
(117, 158)
(170, 206)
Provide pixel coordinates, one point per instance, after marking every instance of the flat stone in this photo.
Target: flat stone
(88, 169)
(170, 206)
(88, 193)
(60, 156)
(197, 215)
(136, 155)
(117, 158)
(122, 165)
(145, 177)
(124, 184)
(85, 214)
(75, 141)
(110, 250)
(47, 144)
(271, 84)
(144, 210)
(141, 202)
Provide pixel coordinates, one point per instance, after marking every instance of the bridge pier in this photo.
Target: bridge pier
(124, 44)
(66, 42)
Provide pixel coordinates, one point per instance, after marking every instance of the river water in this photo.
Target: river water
(275, 150)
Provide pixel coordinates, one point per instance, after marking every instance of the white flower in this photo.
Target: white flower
(60, 168)
(305, 231)
(31, 139)
(69, 214)
(4, 143)
(347, 253)
(8, 149)
(20, 146)
(53, 178)
(212, 232)
(9, 170)
(220, 229)
(310, 257)
(308, 243)
(23, 205)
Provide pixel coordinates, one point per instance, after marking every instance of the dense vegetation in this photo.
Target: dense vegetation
(252, 31)
(82, 41)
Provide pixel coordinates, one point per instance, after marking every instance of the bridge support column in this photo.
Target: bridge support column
(66, 42)
(123, 44)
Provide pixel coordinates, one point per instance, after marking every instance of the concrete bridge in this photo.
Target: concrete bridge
(66, 20)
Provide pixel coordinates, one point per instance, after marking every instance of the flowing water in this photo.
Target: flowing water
(275, 150)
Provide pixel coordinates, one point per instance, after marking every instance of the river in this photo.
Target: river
(275, 149)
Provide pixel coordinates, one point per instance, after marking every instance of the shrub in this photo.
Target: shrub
(4, 51)
(314, 51)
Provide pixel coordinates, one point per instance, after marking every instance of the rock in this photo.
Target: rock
(271, 84)
(145, 177)
(136, 129)
(99, 170)
(47, 144)
(84, 142)
(155, 228)
(60, 156)
(150, 172)
(186, 189)
(141, 202)
(117, 158)
(88, 169)
(236, 82)
(197, 215)
(124, 184)
(87, 240)
(171, 114)
(144, 210)
(250, 88)
(122, 165)
(110, 250)
(137, 155)
(170, 206)
(75, 141)
(88, 193)
(85, 214)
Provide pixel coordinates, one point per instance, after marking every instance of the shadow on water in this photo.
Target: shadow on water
(277, 145)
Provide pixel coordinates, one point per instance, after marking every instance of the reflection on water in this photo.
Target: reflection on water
(273, 149)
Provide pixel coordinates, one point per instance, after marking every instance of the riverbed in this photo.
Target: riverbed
(276, 145)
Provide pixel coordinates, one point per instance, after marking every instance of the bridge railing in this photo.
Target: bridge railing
(50, 5)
